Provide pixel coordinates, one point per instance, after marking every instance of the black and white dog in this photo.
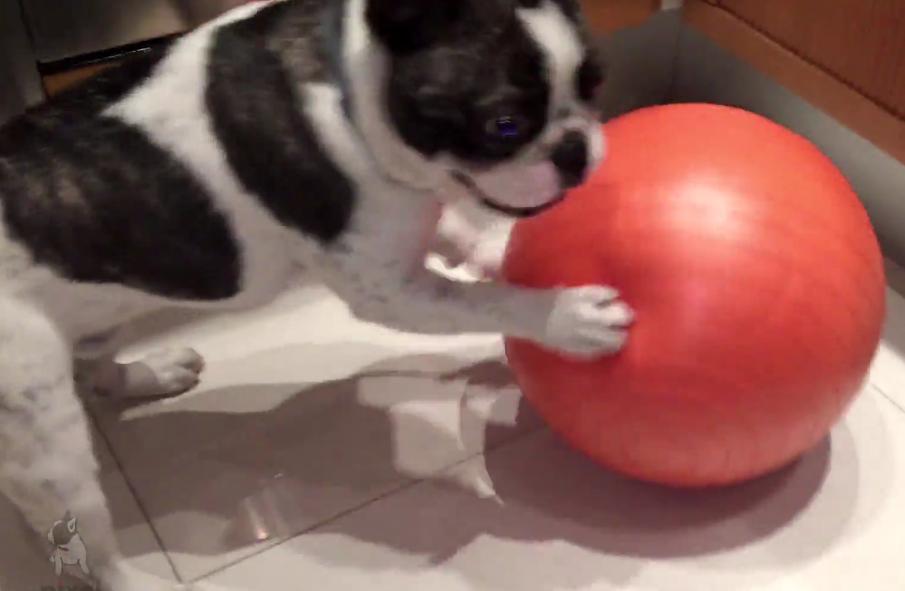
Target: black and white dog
(323, 136)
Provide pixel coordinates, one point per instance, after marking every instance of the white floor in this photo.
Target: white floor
(320, 453)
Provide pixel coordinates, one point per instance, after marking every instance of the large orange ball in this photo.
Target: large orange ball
(758, 286)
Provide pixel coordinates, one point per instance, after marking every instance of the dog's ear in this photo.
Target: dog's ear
(50, 536)
(408, 25)
(72, 525)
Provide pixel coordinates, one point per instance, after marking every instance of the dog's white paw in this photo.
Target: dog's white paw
(588, 322)
(165, 373)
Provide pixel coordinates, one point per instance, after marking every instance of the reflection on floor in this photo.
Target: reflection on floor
(323, 453)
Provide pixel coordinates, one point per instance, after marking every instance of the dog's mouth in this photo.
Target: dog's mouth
(518, 212)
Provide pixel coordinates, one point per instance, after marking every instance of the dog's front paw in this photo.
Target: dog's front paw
(588, 322)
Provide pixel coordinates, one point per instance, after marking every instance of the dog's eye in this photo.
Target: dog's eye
(506, 128)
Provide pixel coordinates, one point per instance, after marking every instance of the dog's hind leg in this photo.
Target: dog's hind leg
(47, 464)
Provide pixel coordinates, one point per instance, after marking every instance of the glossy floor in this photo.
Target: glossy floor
(320, 453)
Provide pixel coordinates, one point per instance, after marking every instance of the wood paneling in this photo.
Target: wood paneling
(58, 82)
(851, 103)
(610, 15)
(862, 42)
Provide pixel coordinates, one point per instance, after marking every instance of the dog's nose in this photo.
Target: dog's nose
(571, 159)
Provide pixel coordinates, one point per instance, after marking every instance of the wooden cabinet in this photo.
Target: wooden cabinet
(861, 42)
(846, 57)
(610, 15)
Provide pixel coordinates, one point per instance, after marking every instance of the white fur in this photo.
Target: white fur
(562, 48)
(564, 53)
(377, 266)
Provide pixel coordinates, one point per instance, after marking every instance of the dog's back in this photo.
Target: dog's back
(89, 197)
(175, 177)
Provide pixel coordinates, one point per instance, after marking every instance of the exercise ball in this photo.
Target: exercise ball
(757, 283)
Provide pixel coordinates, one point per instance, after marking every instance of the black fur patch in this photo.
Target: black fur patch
(591, 75)
(482, 68)
(405, 26)
(571, 159)
(255, 110)
(93, 199)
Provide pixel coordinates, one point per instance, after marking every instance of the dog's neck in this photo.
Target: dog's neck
(367, 65)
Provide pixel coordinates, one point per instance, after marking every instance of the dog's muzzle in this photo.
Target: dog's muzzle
(518, 212)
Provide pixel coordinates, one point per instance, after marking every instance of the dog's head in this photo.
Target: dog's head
(495, 94)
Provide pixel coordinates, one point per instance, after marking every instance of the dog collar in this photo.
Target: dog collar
(333, 46)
